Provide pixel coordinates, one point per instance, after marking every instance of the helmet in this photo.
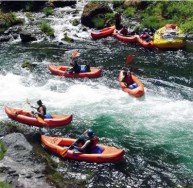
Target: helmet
(39, 102)
(90, 132)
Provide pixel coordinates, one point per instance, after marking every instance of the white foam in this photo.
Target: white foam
(90, 99)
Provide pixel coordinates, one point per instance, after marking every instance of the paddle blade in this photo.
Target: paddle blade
(75, 54)
(129, 59)
(63, 152)
(27, 100)
(40, 120)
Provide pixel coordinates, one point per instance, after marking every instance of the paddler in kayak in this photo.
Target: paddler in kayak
(86, 143)
(118, 24)
(128, 81)
(76, 67)
(41, 110)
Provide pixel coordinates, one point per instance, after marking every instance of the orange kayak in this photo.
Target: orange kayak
(123, 38)
(103, 33)
(57, 144)
(25, 117)
(137, 92)
(62, 71)
(144, 43)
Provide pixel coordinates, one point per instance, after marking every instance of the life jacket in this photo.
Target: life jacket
(128, 80)
(93, 142)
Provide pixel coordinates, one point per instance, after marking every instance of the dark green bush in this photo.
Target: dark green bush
(47, 29)
(2, 150)
(129, 11)
(5, 185)
(7, 20)
(48, 11)
(159, 13)
(99, 22)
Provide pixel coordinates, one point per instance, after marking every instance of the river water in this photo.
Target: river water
(155, 130)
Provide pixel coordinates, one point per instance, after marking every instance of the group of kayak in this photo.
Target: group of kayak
(168, 37)
(62, 146)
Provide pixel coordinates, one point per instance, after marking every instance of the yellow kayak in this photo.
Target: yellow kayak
(169, 36)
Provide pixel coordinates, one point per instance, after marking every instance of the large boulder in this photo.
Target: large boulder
(27, 37)
(93, 9)
(19, 166)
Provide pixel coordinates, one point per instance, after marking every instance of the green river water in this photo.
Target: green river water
(156, 131)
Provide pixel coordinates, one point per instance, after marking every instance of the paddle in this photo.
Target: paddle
(41, 120)
(129, 59)
(65, 150)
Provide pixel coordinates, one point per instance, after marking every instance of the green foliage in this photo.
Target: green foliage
(28, 65)
(99, 22)
(5, 185)
(8, 19)
(187, 26)
(157, 14)
(48, 11)
(119, 9)
(2, 150)
(109, 18)
(67, 38)
(129, 11)
(152, 22)
(47, 29)
(75, 22)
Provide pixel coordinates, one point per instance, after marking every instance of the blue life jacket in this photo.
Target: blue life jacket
(48, 116)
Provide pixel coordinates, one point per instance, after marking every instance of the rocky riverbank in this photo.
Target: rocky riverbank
(34, 21)
(24, 163)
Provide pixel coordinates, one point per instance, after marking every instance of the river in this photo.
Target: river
(155, 131)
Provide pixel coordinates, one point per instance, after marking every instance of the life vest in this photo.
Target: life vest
(93, 142)
(128, 80)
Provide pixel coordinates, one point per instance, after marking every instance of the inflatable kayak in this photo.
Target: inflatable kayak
(102, 153)
(170, 36)
(25, 117)
(103, 33)
(62, 71)
(144, 43)
(122, 38)
(137, 92)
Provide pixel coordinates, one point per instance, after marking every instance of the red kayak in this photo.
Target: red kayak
(137, 92)
(103, 33)
(25, 117)
(62, 71)
(144, 43)
(60, 146)
(128, 38)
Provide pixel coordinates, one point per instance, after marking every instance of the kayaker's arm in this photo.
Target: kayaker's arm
(82, 148)
(33, 107)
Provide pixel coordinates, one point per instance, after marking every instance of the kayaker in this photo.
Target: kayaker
(41, 110)
(87, 142)
(76, 67)
(124, 31)
(128, 81)
(118, 24)
(145, 36)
